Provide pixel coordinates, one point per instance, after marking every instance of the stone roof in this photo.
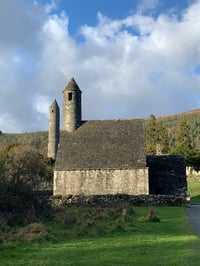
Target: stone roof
(54, 104)
(103, 144)
(72, 86)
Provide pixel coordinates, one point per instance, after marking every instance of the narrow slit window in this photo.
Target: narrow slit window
(70, 96)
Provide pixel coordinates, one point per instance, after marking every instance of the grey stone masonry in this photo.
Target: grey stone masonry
(101, 182)
(107, 157)
(72, 114)
(54, 130)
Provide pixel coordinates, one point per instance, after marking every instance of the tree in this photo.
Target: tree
(183, 133)
(162, 138)
(27, 165)
(150, 134)
(182, 140)
(184, 145)
(22, 168)
(156, 134)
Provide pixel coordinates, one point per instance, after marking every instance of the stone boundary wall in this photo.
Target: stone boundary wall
(192, 173)
(109, 200)
(193, 178)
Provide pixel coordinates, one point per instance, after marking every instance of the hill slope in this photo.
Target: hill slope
(170, 122)
(193, 120)
(38, 140)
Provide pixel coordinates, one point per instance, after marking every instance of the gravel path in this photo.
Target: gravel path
(193, 212)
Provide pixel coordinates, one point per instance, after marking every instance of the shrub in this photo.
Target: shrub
(20, 205)
(68, 220)
(151, 217)
(33, 231)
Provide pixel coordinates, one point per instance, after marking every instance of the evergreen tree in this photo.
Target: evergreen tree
(182, 139)
(150, 133)
(162, 138)
(183, 134)
(184, 145)
(156, 135)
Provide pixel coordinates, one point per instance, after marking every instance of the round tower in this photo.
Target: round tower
(72, 116)
(54, 130)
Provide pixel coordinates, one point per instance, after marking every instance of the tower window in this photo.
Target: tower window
(69, 96)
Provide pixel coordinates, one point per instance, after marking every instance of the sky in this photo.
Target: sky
(130, 58)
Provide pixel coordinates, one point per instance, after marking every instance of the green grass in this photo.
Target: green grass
(169, 242)
(194, 189)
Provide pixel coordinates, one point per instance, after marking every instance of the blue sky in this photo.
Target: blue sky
(130, 58)
(83, 12)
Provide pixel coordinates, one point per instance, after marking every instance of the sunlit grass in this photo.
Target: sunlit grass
(194, 189)
(169, 242)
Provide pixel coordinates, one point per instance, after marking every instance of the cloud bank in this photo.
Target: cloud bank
(129, 68)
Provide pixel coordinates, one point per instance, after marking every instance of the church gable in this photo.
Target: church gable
(106, 144)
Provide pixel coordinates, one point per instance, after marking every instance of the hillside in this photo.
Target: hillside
(180, 115)
(38, 140)
(170, 122)
(192, 118)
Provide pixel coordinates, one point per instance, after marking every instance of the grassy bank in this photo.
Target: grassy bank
(168, 242)
(194, 189)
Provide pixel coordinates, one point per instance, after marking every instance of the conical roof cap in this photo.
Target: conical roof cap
(54, 104)
(72, 86)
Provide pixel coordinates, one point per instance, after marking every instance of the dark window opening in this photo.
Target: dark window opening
(70, 96)
(52, 111)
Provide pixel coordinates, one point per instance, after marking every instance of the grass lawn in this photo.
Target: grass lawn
(169, 242)
(194, 189)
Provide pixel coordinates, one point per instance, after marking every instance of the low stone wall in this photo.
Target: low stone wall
(193, 178)
(109, 200)
(193, 173)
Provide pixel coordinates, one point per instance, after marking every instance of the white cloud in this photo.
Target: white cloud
(51, 6)
(127, 68)
(42, 104)
(9, 122)
(147, 6)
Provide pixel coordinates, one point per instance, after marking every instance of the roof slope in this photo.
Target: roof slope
(72, 86)
(103, 144)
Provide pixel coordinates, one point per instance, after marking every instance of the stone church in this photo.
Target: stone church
(101, 157)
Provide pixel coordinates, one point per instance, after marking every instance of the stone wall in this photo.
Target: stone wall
(167, 174)
(101, 182)
(120, 199)
(192, 174)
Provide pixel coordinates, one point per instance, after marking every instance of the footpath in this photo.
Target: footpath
(193, 212)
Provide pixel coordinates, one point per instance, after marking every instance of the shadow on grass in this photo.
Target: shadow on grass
(121, 250)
